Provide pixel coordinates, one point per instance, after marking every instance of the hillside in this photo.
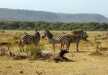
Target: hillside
(28, 15)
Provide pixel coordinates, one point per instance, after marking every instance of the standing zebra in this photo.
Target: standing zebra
(51, 38)
(30, 39)
(75, 37)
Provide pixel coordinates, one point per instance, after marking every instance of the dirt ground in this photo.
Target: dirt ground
(86, 62)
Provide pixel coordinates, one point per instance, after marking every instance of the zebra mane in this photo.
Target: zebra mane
(49, 34)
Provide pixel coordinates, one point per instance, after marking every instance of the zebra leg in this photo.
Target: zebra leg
(77, 45)
(53, 47)
(68, 45)
(62, 45)
(8, 47)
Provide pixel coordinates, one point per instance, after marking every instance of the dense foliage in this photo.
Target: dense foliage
(52, 26)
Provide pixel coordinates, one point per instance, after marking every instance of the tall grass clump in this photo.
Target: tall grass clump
(98, 45)
(36, 50)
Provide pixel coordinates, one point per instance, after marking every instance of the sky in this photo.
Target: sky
(59, 6)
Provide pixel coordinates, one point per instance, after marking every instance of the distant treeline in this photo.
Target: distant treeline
(24, 25)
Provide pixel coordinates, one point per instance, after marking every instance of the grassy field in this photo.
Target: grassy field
(86, 62)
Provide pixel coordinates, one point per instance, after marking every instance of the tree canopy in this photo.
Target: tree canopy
(26, 25)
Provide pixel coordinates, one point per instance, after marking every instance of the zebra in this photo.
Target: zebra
(28, 39)
(66, 39)
(75, 37)
(51, 39)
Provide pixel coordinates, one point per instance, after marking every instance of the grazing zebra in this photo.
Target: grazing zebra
(30, 39)
(75, 37)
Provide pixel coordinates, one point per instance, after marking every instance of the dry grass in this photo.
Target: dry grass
(84, 63)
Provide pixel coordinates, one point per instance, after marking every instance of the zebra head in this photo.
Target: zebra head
(84, 35)
(47, 34)
(36, 38)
